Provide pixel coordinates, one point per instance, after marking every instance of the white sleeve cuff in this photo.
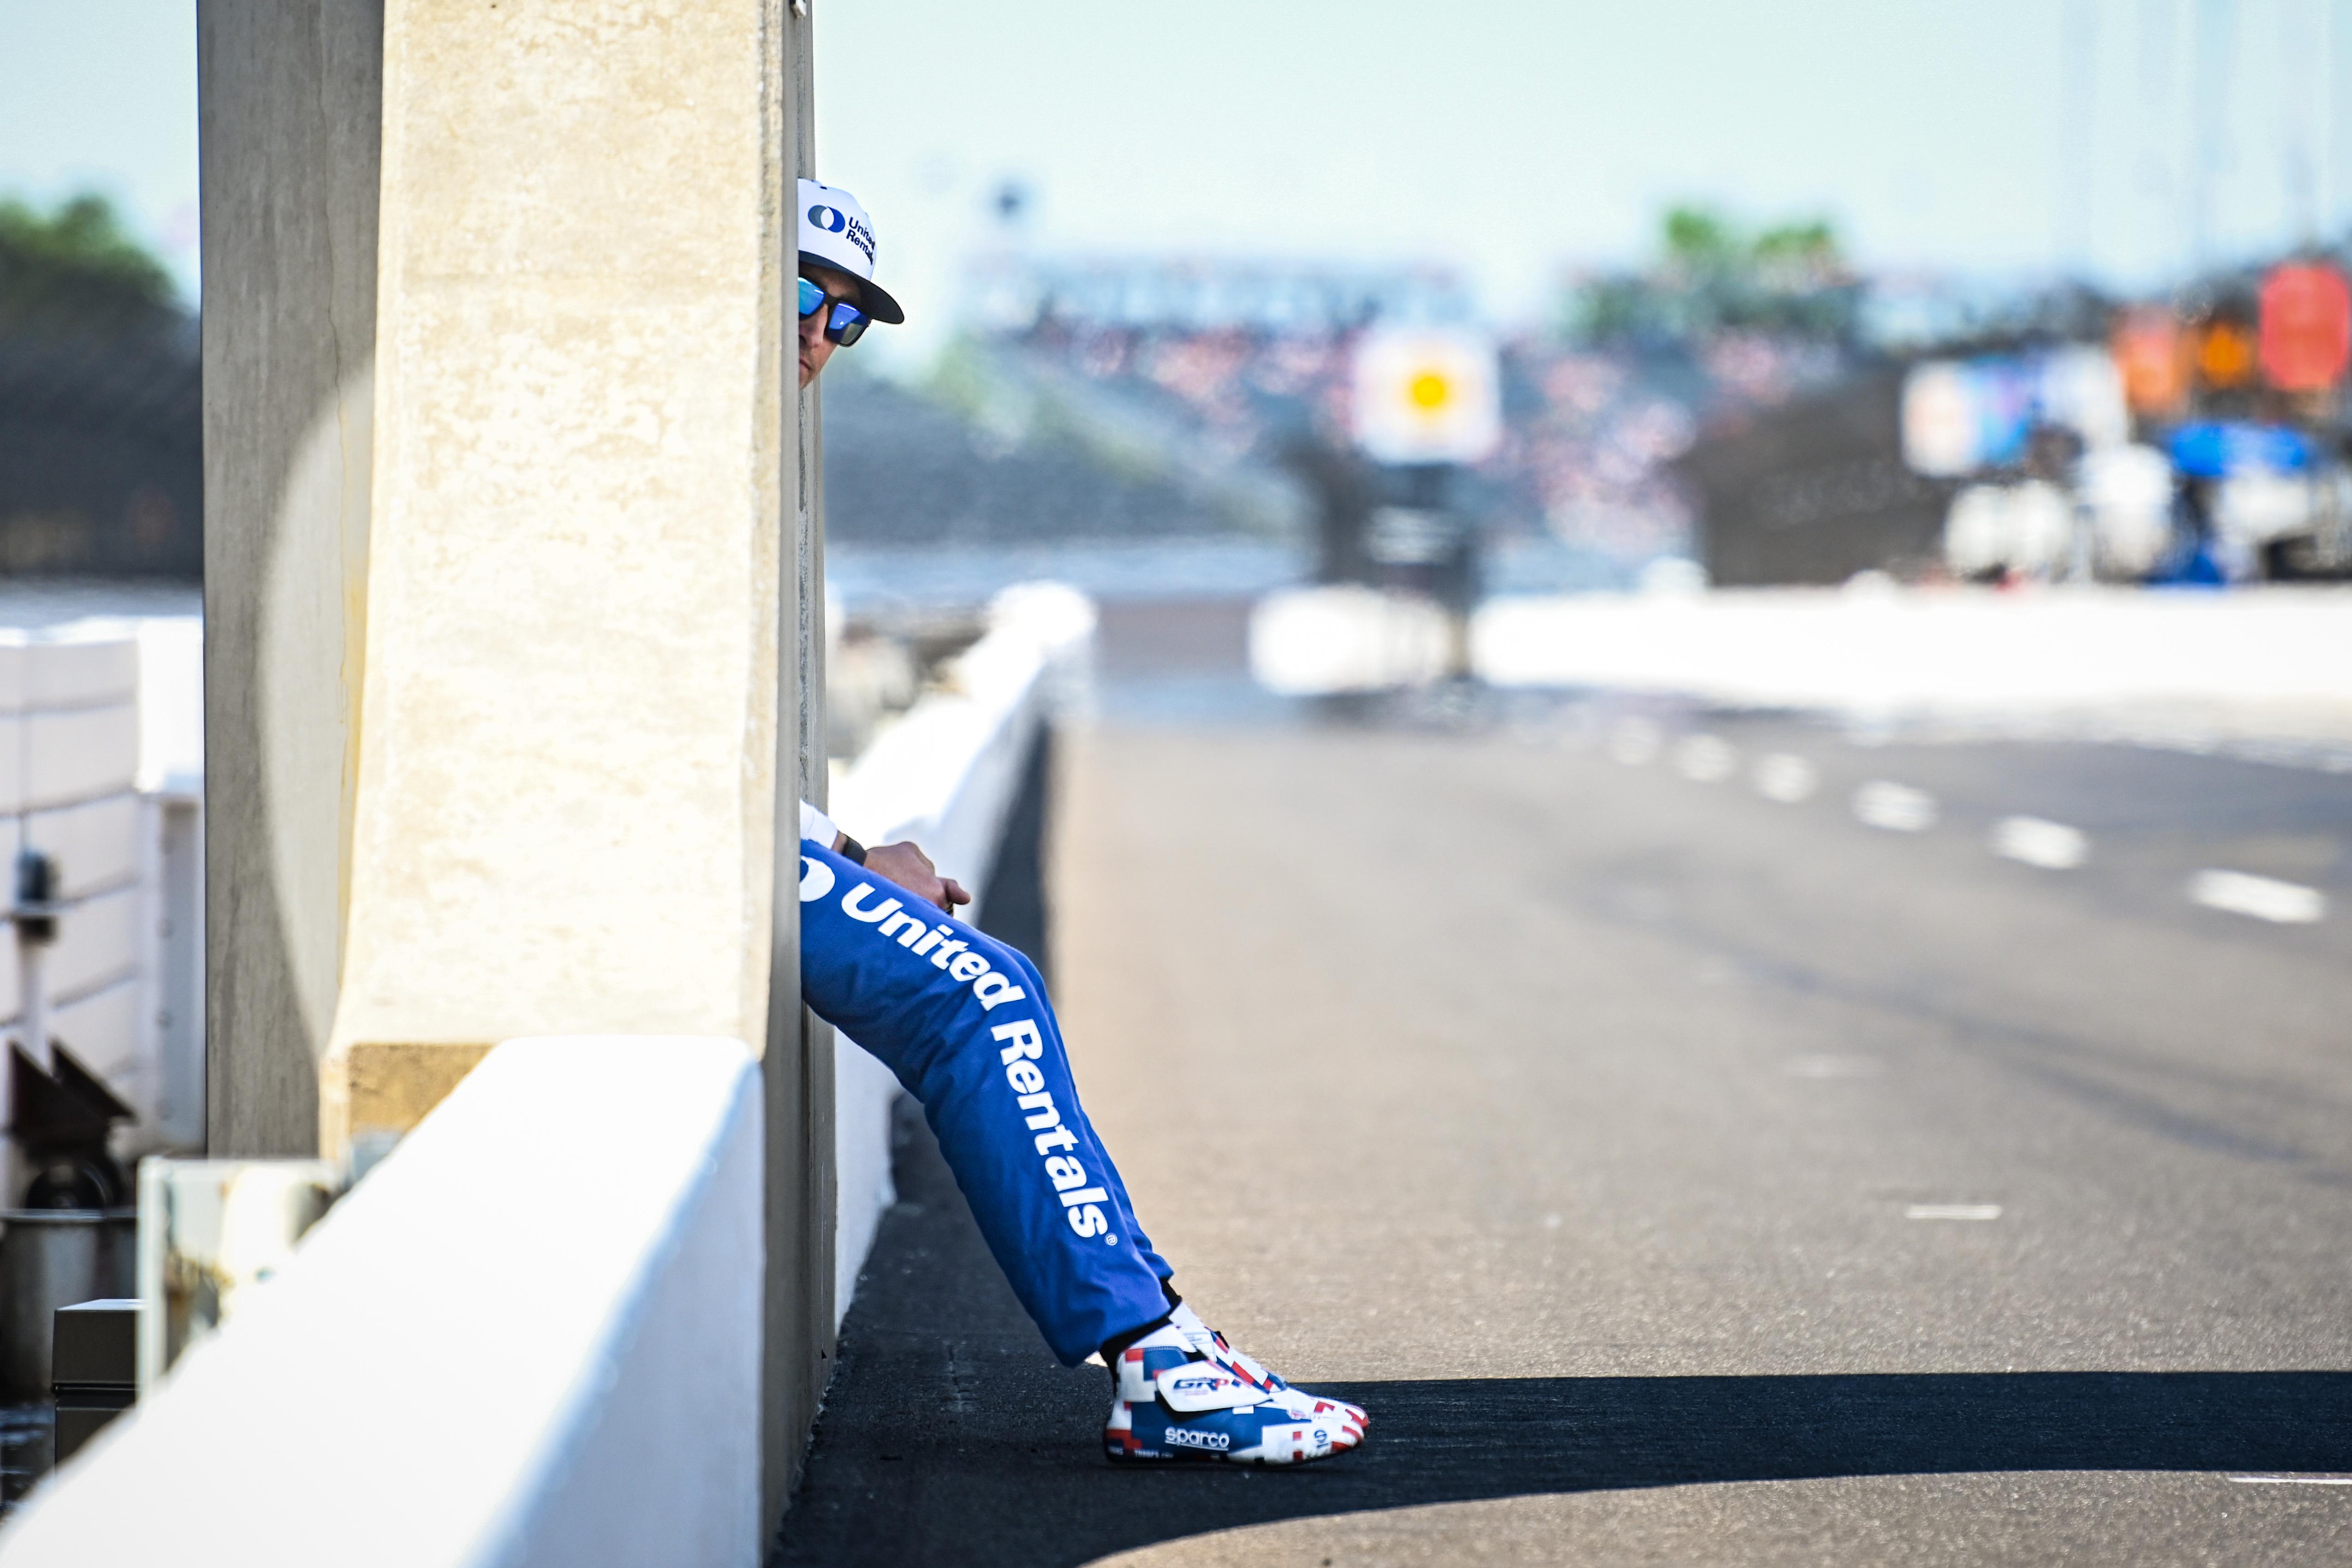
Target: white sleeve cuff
(817, 825)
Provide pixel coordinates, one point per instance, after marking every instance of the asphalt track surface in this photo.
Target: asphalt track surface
(1676, 1173)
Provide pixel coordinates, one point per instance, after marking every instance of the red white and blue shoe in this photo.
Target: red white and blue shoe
(1173, 1399)
(1206, 1342)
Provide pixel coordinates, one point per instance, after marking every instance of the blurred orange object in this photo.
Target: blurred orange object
(2149, 356)
(2225, 354)
(2306, 327)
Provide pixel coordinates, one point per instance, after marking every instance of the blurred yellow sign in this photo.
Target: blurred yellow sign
(1427, 395)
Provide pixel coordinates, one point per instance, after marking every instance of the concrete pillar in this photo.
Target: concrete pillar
(567, 763)
(510, 520)
(290, 109)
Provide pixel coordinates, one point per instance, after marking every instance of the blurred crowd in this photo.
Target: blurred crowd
(2056, 431)
(1257, 360)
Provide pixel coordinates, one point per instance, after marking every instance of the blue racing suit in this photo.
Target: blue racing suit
(963, 1022)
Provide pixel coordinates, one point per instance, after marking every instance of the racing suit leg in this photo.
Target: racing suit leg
(1133, 1227)
(962, 1020)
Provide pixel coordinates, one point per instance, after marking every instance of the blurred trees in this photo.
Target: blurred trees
(101, 397)
(1713, 276)
(77, 269)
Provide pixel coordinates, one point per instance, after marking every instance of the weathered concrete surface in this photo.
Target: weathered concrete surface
(291, 110)
(1569, 1116)
(568, 758)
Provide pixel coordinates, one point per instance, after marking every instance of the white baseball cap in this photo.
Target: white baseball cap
(836, 233)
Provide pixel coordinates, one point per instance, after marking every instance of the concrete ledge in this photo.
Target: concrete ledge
(377, 1090)
(530, 1336)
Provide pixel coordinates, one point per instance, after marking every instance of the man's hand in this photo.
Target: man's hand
(910, 869)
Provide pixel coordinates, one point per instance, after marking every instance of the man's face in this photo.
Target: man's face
(815, 348)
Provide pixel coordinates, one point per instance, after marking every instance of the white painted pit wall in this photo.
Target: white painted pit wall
(946, 776)
(1892, 651)
(529, 1337)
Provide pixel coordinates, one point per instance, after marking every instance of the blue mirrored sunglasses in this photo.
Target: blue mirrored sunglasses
(847, 323)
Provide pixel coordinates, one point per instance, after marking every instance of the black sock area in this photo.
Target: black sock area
(1115, 1346)
(1168, 1289)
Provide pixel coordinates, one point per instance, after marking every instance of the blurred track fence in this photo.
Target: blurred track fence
(101, 771)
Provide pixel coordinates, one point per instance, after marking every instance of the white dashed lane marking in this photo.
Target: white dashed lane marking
(2053, 846)
(2291, 1481)
(1953, 1211)
(1634, 741)
(1832, 1067)
(1705, 759)
(2263, 899)
(1786, 778)
(1898, 808)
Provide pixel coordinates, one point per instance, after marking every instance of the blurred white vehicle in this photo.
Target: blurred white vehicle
(2027, 527)
(2251, 509)
(2128, 490)
(1315, 642)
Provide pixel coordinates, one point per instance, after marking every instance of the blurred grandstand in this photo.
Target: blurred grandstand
(1748, 398)
(1218, 394)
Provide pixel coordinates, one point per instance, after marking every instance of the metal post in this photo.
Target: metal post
(796, 1065)
(35, 917)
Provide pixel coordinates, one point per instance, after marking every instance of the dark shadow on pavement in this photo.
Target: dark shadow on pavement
(950, 1436)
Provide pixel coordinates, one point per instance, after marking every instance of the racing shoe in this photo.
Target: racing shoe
(1206, 1342)
(1169, 1403)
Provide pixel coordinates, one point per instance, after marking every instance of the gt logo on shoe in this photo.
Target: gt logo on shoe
(1184, 1439)
(1188, 1391)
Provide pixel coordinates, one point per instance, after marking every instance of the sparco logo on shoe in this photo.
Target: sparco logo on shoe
(1181, 1437)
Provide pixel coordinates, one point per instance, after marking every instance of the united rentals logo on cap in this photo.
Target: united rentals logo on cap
(833, 220)
(836, 233)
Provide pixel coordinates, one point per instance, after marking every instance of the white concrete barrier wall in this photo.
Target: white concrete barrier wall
(946, 775)
(1947, 650)
(530, 1336)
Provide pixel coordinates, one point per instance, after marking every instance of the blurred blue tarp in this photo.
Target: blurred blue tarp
(2213, 450)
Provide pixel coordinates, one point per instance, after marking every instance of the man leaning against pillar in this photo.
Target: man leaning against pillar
(964, 1021)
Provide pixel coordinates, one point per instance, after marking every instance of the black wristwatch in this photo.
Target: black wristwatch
(851, 849)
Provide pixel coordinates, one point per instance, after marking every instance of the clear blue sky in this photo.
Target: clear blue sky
(101, 94)
(1508, 136)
